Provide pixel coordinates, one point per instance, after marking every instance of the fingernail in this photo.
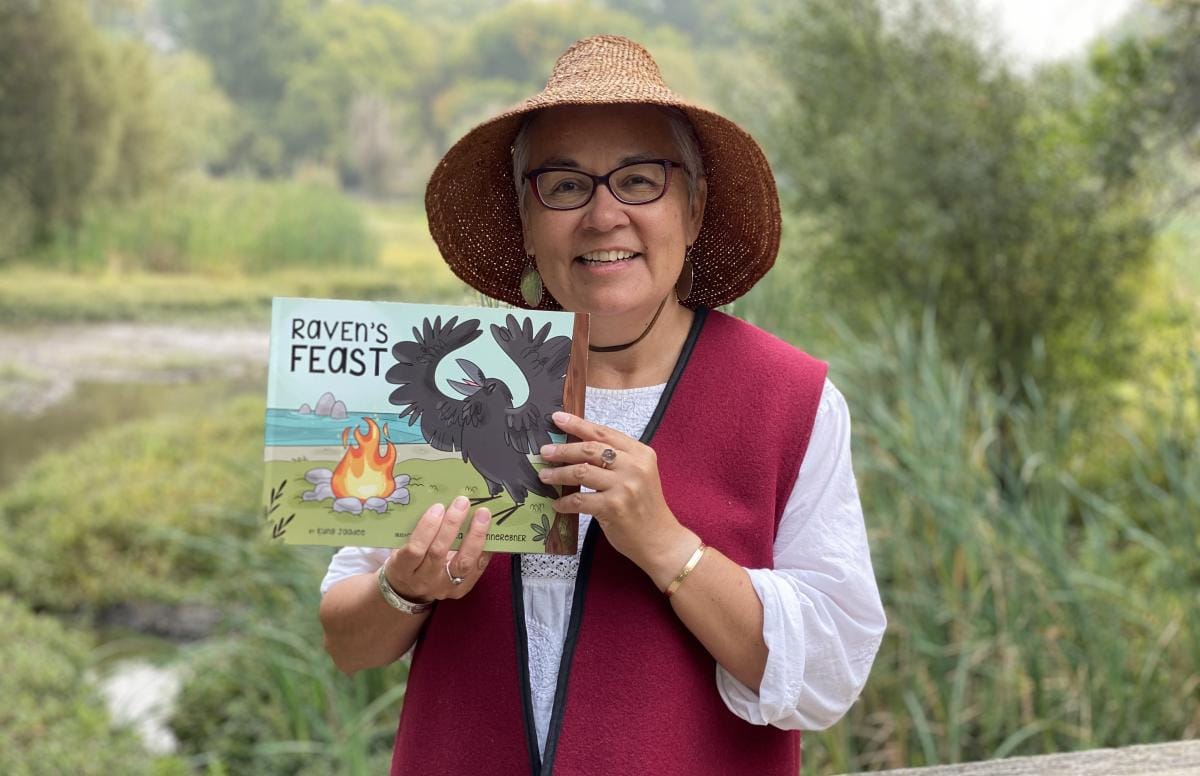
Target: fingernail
(437, 509)
(548, 450)
(543, 474)
(461, 502)
(482, 517)
(561, 417)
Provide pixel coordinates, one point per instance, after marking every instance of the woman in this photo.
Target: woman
(723, 597)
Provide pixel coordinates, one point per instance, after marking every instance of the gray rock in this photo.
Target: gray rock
(348, 504)
(1175, 758)
(184, 622)
(338, 411)
(317, 476)
(319, 493)
(376, 504)
(399, 496)
(325, 404)
(142, 695)
(401, 480)
(305, 409)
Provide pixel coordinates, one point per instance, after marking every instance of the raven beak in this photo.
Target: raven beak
(474, 373)
(466, 389)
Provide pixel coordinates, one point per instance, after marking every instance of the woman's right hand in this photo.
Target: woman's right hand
(421, 570)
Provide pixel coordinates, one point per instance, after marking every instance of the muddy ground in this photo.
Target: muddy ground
(40, 367)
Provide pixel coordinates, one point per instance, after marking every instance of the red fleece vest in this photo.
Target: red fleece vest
(636, 691)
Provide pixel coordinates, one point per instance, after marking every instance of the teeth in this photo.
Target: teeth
(608, 255)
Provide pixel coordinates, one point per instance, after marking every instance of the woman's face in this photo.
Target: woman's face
(577, 250)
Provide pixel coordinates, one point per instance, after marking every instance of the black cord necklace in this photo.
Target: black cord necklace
(642, 336)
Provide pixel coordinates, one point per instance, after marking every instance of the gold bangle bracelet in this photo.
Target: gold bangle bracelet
(687, 569)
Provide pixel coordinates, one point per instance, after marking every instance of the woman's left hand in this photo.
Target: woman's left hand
(628, 500)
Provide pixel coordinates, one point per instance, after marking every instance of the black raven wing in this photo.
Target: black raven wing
(416, 365)
(543, 362)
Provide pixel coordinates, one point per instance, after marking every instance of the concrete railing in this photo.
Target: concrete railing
(1179, 758)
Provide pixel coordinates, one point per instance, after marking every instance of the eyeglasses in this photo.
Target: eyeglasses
(638, 183)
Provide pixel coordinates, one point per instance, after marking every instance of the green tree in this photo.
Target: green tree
(707, 22)
(1149, 103)
(200, 116)
(344, 85)
(934, 177)
(77, 119)
(506, 54)
(254, 47)
(438, 11)
(356, 103)
(520, 42)
(509, 53)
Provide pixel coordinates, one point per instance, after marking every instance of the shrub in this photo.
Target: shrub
(114, 519)
(268, 700)
(53, 719)
(221, 226)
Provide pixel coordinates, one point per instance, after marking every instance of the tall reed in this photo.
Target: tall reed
(1031, 609)
(221, 226)
(266, 698)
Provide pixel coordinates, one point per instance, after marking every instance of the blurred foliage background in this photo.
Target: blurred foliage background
(1001, 260)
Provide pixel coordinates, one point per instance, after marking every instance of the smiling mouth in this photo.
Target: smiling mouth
(595, 258)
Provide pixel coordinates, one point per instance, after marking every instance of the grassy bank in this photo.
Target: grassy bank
(219, 250)
(136, 498)
(31, 295)
(165, 510)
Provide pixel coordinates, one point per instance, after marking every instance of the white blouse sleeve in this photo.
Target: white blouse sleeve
(349, 561)
(822, 616)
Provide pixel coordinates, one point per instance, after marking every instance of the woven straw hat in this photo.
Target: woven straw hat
(478, 229)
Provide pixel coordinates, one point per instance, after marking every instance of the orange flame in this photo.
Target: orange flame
(364, 473)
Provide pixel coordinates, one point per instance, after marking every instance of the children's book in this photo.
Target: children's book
(378, 410)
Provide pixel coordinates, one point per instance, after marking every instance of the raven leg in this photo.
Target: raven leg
(503, 514)
(517, 492)
(494, 489)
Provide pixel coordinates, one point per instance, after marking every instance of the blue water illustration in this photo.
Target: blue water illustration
(293, 429)
(289, 428)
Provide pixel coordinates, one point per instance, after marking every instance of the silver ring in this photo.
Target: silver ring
(607, 457)
(453, 579)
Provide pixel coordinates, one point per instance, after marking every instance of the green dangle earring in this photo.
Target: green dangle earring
(683, 286)
(531, 284)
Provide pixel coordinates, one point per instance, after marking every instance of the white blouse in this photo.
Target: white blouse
(822, 616)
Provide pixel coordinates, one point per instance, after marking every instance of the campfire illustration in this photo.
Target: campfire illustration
(364, 478)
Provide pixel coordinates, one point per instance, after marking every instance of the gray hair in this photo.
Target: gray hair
(682, 132)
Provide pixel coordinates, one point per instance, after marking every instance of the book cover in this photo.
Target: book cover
(377, 410)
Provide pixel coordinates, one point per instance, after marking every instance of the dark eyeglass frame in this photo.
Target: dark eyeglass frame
(602, 180)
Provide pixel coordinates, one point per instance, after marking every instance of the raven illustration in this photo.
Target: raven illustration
(494, 436)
